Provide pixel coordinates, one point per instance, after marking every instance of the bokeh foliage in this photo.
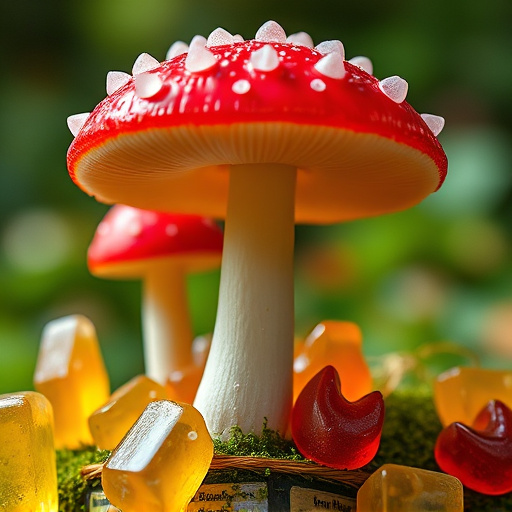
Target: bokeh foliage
(441, 271)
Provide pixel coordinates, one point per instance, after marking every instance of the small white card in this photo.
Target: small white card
(310, 500)
(242, 497)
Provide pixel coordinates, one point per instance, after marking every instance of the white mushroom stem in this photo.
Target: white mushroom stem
(248, 375)
(166, 322)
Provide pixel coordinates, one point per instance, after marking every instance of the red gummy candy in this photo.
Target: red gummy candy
(480, 456)
(332, 431)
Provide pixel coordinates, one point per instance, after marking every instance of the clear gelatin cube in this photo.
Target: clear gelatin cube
(161, 462)
(70, 372)
(111, 422)
(394, 488)
(28, 473)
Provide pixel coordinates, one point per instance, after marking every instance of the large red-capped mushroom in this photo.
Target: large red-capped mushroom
(263, 133)
(160, 249)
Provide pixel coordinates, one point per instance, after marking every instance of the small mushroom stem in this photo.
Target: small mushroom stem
(166, 322)
(248, 375)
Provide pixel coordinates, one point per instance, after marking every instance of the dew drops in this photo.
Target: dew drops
(327, 47)
(76, 121)
(116, 80)
(362, 62)
(317, 85)
(152, 394)
(271, 32)
(241, 87)
(394, 88)
(301, 38)
(192, 435)
(143, 63)
(147, 85)
(331, 65)
(219, 37)
(265, 59)
(199, 58)
(237, 38)
(435, 123)
(176, 48)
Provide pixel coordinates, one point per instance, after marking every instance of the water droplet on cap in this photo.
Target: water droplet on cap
(147, 85)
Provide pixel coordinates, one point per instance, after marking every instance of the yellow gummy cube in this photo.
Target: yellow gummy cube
(161, 462)
(394, 488)
(28, 473)
(110, 422)
(70, 372)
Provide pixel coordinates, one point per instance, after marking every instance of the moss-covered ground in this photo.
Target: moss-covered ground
(408, 438)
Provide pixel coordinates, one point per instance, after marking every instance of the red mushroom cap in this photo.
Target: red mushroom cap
(128, 237)
(165, 139)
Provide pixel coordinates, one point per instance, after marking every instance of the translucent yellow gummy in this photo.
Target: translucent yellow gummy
(112, 421)
(70, 372)
(28, 473)
(394, 488)
(338, 344)
(161, 462)
(461, 393)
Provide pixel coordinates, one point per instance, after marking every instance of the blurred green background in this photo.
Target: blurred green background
(439, 272)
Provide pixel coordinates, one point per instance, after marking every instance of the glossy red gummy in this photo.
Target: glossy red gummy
(332, 431)
(128, 234)
(480, 455)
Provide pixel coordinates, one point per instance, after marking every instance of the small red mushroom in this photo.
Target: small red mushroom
(263, 133)
(160, 249)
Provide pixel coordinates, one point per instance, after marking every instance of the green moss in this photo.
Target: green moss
(72, 488)
(410, 431)
(269, 444)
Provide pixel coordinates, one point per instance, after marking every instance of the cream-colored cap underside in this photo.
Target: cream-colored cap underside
(138, 268)
(341, 175)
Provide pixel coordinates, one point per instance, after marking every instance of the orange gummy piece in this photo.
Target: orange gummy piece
(70, 372)
(161, 462)
(338, 344)
(462, 392)
(181, 385)
(109, 423)
(28, 471)
(394, 488)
